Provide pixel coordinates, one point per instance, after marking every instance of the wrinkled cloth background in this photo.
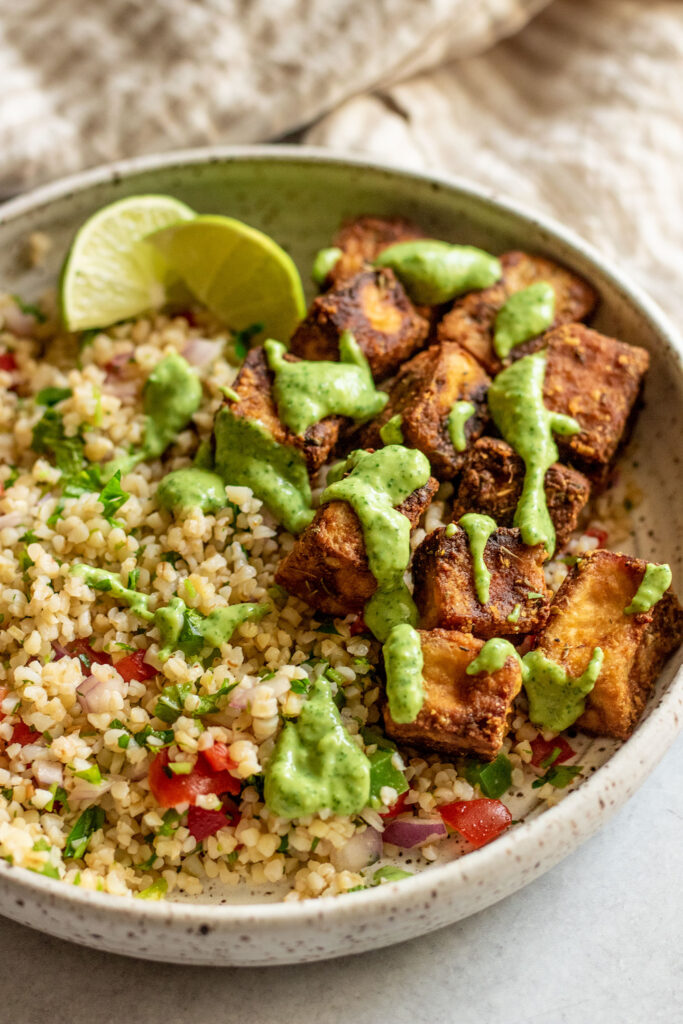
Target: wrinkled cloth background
(574, 107)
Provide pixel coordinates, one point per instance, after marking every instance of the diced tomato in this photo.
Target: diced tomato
(232, 811)
(358, 626)
(396, 808)
(542, 749)
(134, 666)
(203, 823)
(477, 821)
(8, 362)
(218, 757)
(169, 789)
(600, 535)
(82, 650)
(23, 734)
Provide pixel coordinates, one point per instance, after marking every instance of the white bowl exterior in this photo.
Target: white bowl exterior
(300, 195)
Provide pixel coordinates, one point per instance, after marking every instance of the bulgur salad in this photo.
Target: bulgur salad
(296, 598)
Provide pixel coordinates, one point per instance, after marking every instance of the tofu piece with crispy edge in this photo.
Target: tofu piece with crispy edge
(491, 483)
(597, 380)
(461, 714)
(588, 612)
(328, 567)
(379, 314)
(363, 239)
(471, 321)
(444, 584)
(423, 394)
(254, 387)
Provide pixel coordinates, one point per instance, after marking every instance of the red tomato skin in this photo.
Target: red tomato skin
(477, 821)
(24, 735)
(81, 649)
(219, 758)
(358, 626)
(600, 535)
(8, 362)
(134, 666)
(184, 789)
(203, 823)
(542, 749)
(397, 807)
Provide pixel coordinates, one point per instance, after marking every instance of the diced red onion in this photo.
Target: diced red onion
(60, 650)
(409, 832)
(48, 773)
(202, 351)
(83, 790)
(11, 519)
(19, 323)
(239, 700)
(93, 693)
(125, 390)
(117, 362)
(362, 849)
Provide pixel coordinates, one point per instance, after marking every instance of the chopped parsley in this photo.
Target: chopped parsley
(171, 703)
(172, 557)
(493, 778)
(29, 308)
(561, 775)
(49, 438)
(328, 626)
(112, 496)
(52, 396)
(78, 838)
(241, 341)
(389, 874)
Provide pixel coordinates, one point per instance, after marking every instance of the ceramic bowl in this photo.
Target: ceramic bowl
(299, 196)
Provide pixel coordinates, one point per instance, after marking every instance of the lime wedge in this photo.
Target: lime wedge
(110, 273)
(242, 275)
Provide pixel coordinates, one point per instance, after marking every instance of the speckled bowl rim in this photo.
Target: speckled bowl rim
(611, 784)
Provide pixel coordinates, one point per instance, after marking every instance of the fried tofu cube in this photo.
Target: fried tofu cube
(328, 566)
(491, 483)
(471, 321)
(423, 395)
(588, 612)
(363, 239)
(597, 380)
(461, 714)
(445, 592)
(254, 386)
(379, 314)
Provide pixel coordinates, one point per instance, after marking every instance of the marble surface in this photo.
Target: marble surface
(595, 940)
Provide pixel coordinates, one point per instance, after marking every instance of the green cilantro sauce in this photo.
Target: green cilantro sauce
(306, 392)
(315, 764)
(525, 314)
(171, 396)
(180, 628)
(457, 418)
(376, 483)
(184, 629)
(323, 263)
(655, 582)
(192, 488)
(403, 663)
(515, 399)
(433, 272)
(556, 699)
(247, 455)
(391, 432)
(478, 529)
(111, 583)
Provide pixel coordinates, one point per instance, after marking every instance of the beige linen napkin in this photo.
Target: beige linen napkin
(86, 81)
(579, 115)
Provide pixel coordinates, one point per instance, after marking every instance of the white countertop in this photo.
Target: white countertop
(595, 941)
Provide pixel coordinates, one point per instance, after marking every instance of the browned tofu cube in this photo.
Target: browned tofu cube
(472, 319)
(254, 386)
(445, 592)
(597, 380)
(379, 314)
(423, 395)
(588, 612)
(328, 566)
(461, 714)
(363, 239)
(491, 483)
